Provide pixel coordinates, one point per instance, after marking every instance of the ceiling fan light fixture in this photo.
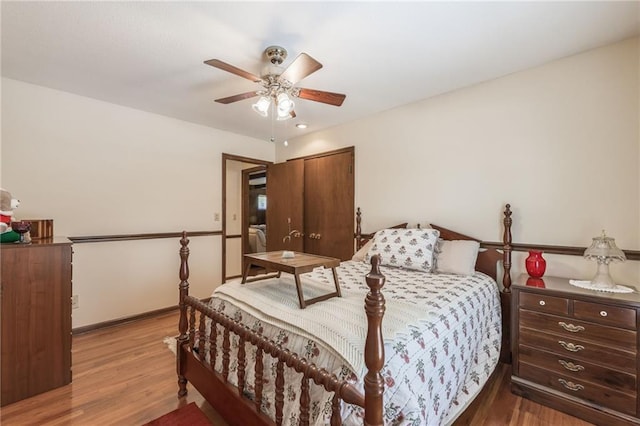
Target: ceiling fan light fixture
(285, 104)
(262, 106)
(279, 84)
(282, 116)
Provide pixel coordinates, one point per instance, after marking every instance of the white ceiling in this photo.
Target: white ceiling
(149, 55)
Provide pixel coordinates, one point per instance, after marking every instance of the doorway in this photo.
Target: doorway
(254, 209)
(242, 186)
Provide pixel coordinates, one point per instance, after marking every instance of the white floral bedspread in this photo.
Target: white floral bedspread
(432, 369)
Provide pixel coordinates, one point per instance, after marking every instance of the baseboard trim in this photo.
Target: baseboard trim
(125, 320)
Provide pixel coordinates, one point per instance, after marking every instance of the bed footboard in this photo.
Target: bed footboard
(196, 358)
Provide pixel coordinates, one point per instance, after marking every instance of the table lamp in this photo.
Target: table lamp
(603, 249)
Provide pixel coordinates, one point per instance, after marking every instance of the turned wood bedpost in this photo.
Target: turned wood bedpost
(182, 326)
(505, 295)
(374, 346)
(506, 240)
(358, 229)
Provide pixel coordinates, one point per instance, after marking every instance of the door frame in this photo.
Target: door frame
(245, 204)
(223, 213)
(351, 149)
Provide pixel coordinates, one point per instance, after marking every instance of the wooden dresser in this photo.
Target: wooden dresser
(36, 318)
(576, 350)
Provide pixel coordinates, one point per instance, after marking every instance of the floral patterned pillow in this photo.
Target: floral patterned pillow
(405, 248)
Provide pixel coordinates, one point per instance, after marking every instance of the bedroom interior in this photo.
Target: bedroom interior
(432, 131)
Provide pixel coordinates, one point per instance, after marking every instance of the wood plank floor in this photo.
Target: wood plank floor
(125, 375)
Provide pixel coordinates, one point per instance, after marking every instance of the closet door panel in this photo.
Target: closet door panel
(285, 200)
(328, 205)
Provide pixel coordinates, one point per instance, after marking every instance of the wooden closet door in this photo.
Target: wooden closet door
(329, 205)
(285, 195)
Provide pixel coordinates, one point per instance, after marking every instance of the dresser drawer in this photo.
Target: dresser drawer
(573, 329)
(605, 314)
(542, 303)
(578, 370)
(607, 397)
(582, 350)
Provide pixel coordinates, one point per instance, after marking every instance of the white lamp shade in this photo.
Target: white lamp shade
(283, 116)
(262, 106)
(285, 104)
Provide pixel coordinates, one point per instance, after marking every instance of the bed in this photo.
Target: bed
(259, 359)
(257, 238)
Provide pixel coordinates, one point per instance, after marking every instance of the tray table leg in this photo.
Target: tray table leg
(246, 272)
(335, 279)
(299, 289)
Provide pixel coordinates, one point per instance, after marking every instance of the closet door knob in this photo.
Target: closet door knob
(312, 236)
(318, 236)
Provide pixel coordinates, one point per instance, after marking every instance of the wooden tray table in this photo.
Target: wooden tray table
(299, 264)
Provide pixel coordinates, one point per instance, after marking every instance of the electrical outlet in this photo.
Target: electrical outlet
(75, 304)
(216, 217)
(235, 216)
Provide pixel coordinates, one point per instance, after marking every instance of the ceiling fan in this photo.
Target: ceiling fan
(278, 84)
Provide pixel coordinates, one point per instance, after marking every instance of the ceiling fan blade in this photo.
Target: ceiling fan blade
(234, 70)
(236, 98)
(292, 114)
(320, 96)
(301, 67)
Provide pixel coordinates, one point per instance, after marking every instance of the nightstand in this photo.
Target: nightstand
(576, 350)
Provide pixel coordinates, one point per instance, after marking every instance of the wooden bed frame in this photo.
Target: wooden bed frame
(231, 403)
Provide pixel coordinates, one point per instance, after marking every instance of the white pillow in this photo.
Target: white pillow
(406, 248)
(361, 254)
(457, 257)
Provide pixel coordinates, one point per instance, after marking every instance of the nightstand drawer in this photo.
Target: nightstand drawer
(578, 370)
(584, 351)
(569, 328)
(542, 303)
(620, 401)
(604, 314)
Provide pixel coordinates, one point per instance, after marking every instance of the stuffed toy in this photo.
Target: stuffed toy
(7, 205)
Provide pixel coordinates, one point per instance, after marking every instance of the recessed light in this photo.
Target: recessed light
(301, 126)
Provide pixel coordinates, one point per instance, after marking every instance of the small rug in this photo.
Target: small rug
(189, 415)
(171, 343)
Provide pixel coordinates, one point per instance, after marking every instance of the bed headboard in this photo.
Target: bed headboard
(361, 239)
(488, 257)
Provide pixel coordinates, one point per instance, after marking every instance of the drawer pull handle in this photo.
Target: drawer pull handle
(570, 346)
(570, 385)
(542, 303)
(603, 313)
(570, 327)
(571, 366)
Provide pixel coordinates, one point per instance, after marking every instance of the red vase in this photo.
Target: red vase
(535, 264)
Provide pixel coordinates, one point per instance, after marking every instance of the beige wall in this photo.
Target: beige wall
(98, 169)
(560, 142)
